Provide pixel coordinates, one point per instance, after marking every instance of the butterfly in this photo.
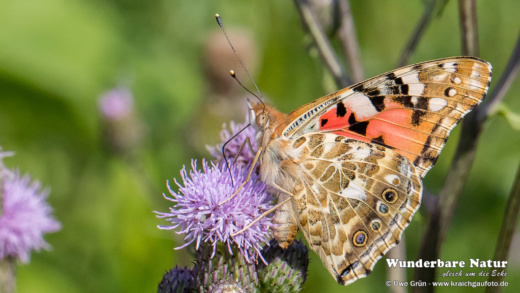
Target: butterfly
(348, 167)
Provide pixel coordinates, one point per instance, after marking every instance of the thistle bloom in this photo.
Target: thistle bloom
(25, 216)
(177, 280)
(116, 103)
(287, 268)
(199, 216)
(122, 130)
(245, 156)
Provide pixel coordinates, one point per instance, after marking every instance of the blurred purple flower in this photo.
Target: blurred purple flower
(232, 148)
(177, 280)
(201, 219)
(116, 103)
(25, 216)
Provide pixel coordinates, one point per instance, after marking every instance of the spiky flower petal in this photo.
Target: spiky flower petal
(200, 217)
(224, 272)
(177, 280)
(25, 216)
(236, 149)
(287, 268)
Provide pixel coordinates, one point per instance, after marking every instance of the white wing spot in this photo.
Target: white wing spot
(460, 108)
(415, 89)
(410, 78)
(361, 154)
(437, 104)
(439, 77)
(476, 84)
(450, 67)
(447, 122)
(327, 147)
(414, 100)
(452, 92)
(404, 169)
(361, 105)
(354, 191)
(475, 75)
(457, 80)
(393, 179)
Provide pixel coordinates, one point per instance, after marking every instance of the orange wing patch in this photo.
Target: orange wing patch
(411, 110)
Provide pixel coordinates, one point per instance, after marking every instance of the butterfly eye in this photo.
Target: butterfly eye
(262, 120)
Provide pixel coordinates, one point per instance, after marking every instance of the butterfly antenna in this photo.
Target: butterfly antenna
(224, 153)
(259, 96)
(233, 75)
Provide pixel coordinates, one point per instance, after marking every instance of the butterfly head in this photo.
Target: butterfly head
(258, 116)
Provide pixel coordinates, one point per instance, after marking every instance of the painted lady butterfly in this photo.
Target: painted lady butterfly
(350, 165)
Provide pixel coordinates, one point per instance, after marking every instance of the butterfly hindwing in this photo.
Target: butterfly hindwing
(354, 202)
(411, 110)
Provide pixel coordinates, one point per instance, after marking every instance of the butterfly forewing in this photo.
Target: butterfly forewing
(411, 110)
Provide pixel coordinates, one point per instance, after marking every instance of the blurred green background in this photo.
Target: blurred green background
(57, 57)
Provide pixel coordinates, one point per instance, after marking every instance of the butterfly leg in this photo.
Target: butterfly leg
(281, 189)
(253, 164)
(263, 215)
(248, 143)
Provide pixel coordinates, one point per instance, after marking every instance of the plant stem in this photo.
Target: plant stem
(347, 35)
(503, 84)
(471, 129)
(324, 47)
(7, 275)
(418, 32)
(507, 231)
(461, 165)
(468, 25)
(397, 273)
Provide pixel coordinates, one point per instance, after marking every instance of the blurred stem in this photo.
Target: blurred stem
(7, 275)
(428, 251)
(397, 273)
(507, 231)
(462, 161)
(324, 47)
(429, 201)
(468, 25)
(503, 84)
(471, 129)
(347, 35)
(423, 23)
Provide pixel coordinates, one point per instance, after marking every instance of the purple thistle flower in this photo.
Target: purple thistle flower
(199, 217)
(245, 156)
(116, 103)
(177, 280)
(25, 216)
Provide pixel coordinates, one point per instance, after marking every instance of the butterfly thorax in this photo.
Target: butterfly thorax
(278, 160)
